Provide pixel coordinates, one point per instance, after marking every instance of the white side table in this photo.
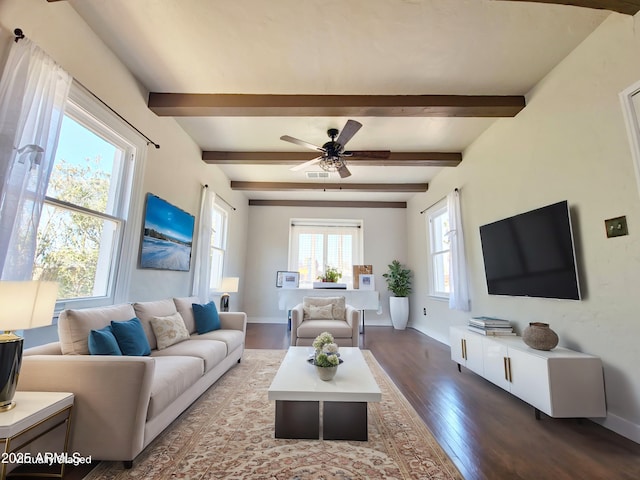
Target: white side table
(35, 415)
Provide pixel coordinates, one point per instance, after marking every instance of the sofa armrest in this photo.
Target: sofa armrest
(53, 348)
(353, 318)
(111, 399)
(233, 321)
(297, 315)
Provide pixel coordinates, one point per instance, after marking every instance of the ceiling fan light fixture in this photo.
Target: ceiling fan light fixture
(332, 164)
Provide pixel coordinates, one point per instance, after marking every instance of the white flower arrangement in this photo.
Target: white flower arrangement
(326, 351)
(321, 340)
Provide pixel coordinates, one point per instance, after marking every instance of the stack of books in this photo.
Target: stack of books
(490, 326)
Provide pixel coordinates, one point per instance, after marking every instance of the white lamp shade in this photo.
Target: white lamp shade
(229, 284)
(28, 304)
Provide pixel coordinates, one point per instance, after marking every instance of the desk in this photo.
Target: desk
(358, 299)
(47, 410)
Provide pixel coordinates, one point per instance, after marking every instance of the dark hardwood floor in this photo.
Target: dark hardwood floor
(487, 432)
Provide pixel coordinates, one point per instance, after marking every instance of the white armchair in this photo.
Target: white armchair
(325, 314)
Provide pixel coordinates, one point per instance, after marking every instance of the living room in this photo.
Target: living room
(570, 143)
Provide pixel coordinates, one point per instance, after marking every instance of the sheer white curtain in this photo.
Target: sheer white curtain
(459, 293)
(202, 273)
(33, 92)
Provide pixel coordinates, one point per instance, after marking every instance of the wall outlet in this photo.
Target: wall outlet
(424, 312)
(616, 227)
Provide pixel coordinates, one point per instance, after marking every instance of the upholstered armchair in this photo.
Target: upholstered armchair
(325, 314)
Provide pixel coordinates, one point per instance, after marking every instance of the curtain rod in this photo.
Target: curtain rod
(436, 202)
(19, 35)
(218, 196)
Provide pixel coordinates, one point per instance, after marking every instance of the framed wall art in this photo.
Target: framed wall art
(167, 236)
(286, 279)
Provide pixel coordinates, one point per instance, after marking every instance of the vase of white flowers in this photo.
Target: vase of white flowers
(326, 357)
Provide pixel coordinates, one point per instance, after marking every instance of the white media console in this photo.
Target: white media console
(560, 382)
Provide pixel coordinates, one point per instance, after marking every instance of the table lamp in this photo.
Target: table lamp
(228, 285)
(23, 305)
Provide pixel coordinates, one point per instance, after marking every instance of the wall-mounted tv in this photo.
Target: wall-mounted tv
(167, 236)
(531, 254)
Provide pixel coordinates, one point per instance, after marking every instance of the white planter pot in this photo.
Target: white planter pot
(399, 309)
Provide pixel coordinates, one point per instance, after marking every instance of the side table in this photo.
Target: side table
(35, 415)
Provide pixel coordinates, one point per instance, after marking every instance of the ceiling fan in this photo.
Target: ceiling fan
(332, 158)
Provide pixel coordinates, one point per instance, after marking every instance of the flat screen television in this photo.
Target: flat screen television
(531, 254)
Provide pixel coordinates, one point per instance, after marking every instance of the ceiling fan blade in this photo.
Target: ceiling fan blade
(304, 165)
(368, 154)
(302, 143)
(348, 131)
(343, 171)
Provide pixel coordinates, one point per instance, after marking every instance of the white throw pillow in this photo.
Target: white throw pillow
(323, 312)
(169, 330)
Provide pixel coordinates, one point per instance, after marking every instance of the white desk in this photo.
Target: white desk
(359, 299)
(48, 410)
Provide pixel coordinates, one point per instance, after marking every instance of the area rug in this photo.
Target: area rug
(229, 434)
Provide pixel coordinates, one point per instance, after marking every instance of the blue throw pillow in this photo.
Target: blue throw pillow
(206, 317)
(103, 342)
(131, 338)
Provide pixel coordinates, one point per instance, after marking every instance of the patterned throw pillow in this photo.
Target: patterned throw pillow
(338, 306)
(324, 312)
(169, 330)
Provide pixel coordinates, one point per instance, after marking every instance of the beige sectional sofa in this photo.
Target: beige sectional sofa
(123, 402)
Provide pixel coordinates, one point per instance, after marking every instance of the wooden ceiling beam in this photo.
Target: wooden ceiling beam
(239, 105)
(326, 203)
(396, 159)
(627, 7)
(358, 187)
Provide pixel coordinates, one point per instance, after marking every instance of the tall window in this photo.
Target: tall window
(218, 245)
(438, 233)
(317, 244)
(82, 227)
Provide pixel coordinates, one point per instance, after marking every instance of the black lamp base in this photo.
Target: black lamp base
(10, 361)
(224, 302)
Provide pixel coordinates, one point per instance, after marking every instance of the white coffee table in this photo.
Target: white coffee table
(298, 391)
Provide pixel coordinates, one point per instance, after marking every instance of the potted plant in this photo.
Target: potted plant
(399, 284)
(330, 275)
(326, 357)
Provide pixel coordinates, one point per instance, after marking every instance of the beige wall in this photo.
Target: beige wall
(174, 172)
(569, 143)
(384, 240)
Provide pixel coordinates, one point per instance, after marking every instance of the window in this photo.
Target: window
(438, 235)
(218, 245)
(317, 244)
(84, 219)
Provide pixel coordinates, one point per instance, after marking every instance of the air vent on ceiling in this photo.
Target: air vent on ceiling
(317, 174)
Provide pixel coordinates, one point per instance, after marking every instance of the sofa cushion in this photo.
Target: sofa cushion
(145, 311)
(103, 342)
(338, 306)
(172, 377)
(313, 328)
(211, 352)
(232, 338)
(169, 330)
(74, 325)
(184, 306)
(206, 317)
(131, 338)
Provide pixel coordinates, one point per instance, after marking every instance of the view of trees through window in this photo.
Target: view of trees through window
(79, 228)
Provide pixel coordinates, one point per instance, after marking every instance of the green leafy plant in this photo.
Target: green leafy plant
(330, 275)
(398, 279)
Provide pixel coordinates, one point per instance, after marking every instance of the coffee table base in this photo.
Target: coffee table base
(341, 420)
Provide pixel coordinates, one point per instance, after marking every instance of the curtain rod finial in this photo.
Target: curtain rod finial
(18, 33)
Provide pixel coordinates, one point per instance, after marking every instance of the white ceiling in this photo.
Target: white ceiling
(372, 47)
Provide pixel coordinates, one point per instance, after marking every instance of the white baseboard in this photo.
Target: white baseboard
(621, 426)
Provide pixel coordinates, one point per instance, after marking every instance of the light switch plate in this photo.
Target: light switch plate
(616, 227)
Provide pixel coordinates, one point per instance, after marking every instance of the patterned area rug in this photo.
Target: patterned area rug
(229, 434)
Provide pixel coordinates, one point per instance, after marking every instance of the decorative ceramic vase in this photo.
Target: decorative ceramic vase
(326, 373)
(538, 335)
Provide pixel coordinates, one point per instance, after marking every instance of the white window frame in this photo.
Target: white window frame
(437, 210)
(324, 226)
(630, 101)
(84, 106)
(217, 276)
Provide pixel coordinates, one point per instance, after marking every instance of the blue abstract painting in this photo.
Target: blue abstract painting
(167, 237)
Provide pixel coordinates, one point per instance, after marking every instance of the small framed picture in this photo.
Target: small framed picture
(287, 279)
(367, 281)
